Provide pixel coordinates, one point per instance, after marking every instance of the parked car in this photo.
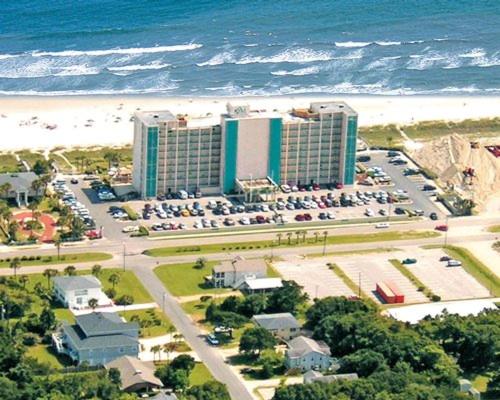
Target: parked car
(454, 263)
(382, 225)
(409, 261)
(212, 339)
(445, 258)
(130, 228)
(442, 228)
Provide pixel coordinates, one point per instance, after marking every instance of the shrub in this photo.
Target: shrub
(204, 299)
(111, 293)
(24, 258)
(7, 259)
(435, 297)
(38, 258)
(30, 339)
(124, 300)
(31, 258)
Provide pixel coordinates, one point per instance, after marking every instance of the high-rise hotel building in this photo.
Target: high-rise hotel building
(314, 145)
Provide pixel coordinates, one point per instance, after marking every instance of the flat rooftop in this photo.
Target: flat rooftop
(153, 118)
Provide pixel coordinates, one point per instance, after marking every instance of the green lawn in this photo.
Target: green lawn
(381, 136)
(129, 284)
(476, 268)
(28, 261)
(494, 228)
(30, 157)
(8, 163)
(46, 354)
(427, 130)
(93, 158)
(160, 324)
(186, 280)
(356, 252)
(289, 242)
(200, 375)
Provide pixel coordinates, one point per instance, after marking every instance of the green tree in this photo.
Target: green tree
(70, 270)
(183, 361)
(114, 279)
(96, 270)
(115, 376)
(364, 362)
(176, 379)
(49, 273)
(211, 390)
(93, 303)
(156, 349)
(57, 243)
(256, 339)
(24, 279)
(15, 264)
(201, 263)
(286, 298)
(47, 319)
(253, 304)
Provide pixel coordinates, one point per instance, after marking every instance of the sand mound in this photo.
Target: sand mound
(448, 156)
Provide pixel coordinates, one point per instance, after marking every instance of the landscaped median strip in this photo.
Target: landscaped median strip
(290, 239)
(413, 279)
(29, 261)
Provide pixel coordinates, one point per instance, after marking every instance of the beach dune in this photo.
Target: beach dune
(72, 121)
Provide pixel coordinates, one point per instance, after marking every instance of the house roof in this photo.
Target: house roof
(19, 180)
(81, 342)
(164, 396)
(263, 283)
(81, 282)
(316, 376)
(133, 371)
(301, 346)
(99, 323)
(276, 321)
(242, 265)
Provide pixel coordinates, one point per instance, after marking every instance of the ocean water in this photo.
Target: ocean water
(259, 47)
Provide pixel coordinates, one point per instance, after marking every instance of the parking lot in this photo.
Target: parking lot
(315, 276)
(450, 283)
(412, 184)
(375, 268)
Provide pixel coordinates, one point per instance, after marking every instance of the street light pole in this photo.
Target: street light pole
(124, 257)
(325, 234)
(446, 232)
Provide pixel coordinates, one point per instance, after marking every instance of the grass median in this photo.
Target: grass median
(30, 261)
(291, 239)
(494, 229)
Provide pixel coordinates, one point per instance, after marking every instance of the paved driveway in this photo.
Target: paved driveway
(450, 283)
(314, 275)
(374, 268)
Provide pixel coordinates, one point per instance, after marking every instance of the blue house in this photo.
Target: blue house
(98, 338)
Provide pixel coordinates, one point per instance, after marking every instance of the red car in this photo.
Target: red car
(442, 228)
(308, 217)
(260, 219)
(316, 186)
(339, 186)
(299, 217)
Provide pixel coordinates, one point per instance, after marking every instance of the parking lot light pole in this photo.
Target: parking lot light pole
(123, 256)
(325, 234)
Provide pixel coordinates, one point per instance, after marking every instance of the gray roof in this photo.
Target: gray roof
(81, 342)
(77, 282)
(98, 323)
(242, 265)
(276, 321)
(316, 376)
(133, 371)
(153, 118)
(332, 107)
(164, 396)
(19, 180)
(301, 346)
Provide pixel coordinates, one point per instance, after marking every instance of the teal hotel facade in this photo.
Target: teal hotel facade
(301, 147)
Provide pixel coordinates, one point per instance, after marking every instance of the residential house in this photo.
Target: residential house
(233, 273)
(282, 325)
(260, 285)
(164, 396)
(76, 291)
(316, 376)
(136, 376)
(306, 354)
(98, 338)
(20, 187)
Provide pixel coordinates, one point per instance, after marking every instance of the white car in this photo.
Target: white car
(245, 221)
(285, 188)
(382, 225)
(330, 215)
(130, 228)
(454, 263)
(369, 212)
(198, 225)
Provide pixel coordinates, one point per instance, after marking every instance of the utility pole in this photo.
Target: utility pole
(325, 234)
(123, 256)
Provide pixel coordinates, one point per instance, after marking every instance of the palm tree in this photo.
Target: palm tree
(178, 337)
(171, 330)
(289, 236)
(5, 189)
(316, 237)
(201, 263)
(111, 157)
(279, 236)
(77, 228)
(156, 350)
(325, 235)
(93, 303)
(24, 279)
(298, 236)
(70, 270)
(169, 348)
(114, 279)
(96, 270)
(12, 229)
(36, 185)
(49, 273)
(304, 233)
(57, 243)
(15, 264)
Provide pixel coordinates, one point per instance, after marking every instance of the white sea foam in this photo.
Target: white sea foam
(352, 44)
(298, 72)
(474, 53)
(302, 55)
(77, 70)
(219, 59)
(132, 50)
(387, 43)
(251, 45)
(138, 67)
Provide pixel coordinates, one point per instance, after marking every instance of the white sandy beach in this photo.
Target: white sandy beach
(25, 122)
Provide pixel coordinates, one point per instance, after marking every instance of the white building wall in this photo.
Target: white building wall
(253, 148)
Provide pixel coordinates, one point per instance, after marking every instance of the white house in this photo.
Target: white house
(305, 354)
(76, 291)
(234, 273)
